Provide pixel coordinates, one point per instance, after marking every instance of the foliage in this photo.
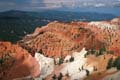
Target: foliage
(60, 76)
(54, 77)
(99, 52)
(92, 51)
(61, 61)
(1, 61)
(102, 50)
(87, 72)
(117, 63)
(15, 24)
(71, 59)
(110, 63)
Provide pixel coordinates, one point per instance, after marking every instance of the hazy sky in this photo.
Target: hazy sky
(51, 4)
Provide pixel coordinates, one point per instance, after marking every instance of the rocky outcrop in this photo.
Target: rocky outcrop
(53, 51)
(16, 62)
(76, 68)
(47, 65)
(65, 38)
(60, 39)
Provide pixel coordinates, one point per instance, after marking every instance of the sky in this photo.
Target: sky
(54, 4)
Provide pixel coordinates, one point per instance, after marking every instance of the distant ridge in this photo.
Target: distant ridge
(14, 24)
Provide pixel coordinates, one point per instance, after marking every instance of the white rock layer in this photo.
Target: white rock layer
(76, 68)
(46, 65)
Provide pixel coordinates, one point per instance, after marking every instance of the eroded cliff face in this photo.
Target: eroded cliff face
(49, 50)
(16, 62)
(60, 39)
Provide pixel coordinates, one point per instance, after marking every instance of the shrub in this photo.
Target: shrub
(61, 61)
(102, 50)
(117, 63)
(1, 61)
(87, 72)
(54, 77)
(110, 63)
(60, 76)
(71, 59)
(92, 51)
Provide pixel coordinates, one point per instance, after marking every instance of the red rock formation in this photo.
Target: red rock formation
(16, 62)
(60, 39)
(57, 40)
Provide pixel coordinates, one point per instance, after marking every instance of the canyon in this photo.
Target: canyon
(63, 51)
